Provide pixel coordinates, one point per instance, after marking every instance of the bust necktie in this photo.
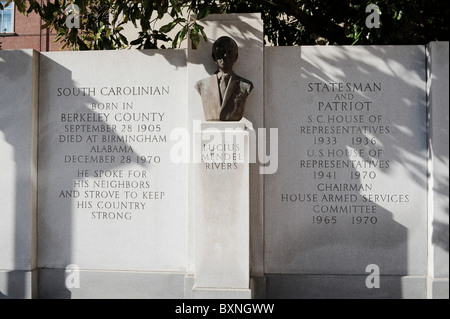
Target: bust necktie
(223, 85)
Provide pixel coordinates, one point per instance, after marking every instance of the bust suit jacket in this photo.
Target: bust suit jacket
(232, 106)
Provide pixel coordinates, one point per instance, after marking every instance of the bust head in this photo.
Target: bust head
(225, 53)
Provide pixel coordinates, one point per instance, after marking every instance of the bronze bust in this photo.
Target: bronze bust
(224, 93)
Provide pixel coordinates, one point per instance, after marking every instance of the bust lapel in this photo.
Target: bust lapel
(211, 104)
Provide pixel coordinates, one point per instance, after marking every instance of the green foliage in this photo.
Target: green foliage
(286, 22)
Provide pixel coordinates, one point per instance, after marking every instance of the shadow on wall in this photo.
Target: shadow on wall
(17, 214)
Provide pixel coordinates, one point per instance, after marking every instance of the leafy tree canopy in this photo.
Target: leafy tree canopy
(286, 22)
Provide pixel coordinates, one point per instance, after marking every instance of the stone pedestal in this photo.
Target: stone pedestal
(222, 239)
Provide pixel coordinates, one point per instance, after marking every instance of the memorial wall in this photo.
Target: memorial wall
(101, 197)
